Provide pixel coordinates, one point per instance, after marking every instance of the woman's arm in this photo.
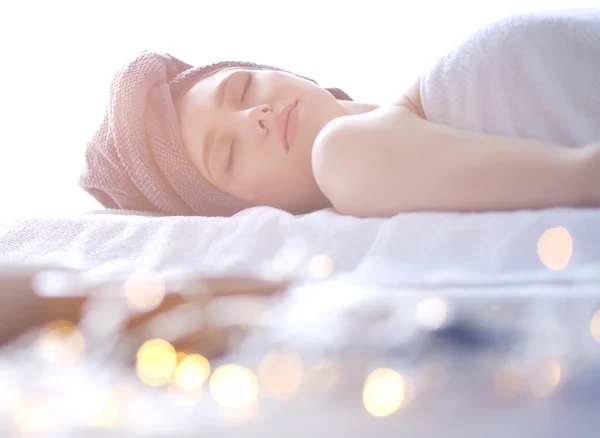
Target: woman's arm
(390, 161)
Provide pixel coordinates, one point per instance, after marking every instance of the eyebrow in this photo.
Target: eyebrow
(210, 137)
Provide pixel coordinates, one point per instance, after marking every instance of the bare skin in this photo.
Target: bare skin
(411, 99)
(365, 160)
(391, 161)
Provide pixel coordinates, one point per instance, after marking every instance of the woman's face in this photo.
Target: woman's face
(251, 132)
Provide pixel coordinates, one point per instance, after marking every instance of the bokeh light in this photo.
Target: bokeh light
(145, 290)
(156, 362)
(546, 379)
(322, 376)
(62, 343)
(321, 266)
(595, 326)
(555, 248)
(384, 392)
(233, 386)
(280, 373)
(432, 312)
(180, 356)
(508, 382)
(192, 372)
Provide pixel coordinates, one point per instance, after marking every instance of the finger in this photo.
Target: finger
(227, 286)
(169, 303)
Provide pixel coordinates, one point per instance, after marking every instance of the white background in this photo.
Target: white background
(58, 58)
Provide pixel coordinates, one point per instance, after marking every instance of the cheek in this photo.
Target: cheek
(317, 111)
(264, 173)
(271, 182)
(256, 178)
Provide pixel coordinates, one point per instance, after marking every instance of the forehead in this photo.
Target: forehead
(198, 99)
(204, 86)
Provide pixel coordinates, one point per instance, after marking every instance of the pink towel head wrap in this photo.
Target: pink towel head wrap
(136, 160)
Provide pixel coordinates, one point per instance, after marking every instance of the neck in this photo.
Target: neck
(354, 108)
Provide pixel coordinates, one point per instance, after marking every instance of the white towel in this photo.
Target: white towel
(408, 249)
(534, 75)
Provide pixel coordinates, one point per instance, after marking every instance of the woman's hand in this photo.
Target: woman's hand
(216, 309)
(593, 160)
(225, 307)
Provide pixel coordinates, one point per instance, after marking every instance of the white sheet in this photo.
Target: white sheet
(409, 248)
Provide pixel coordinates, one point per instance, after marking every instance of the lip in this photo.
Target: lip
(287, 123)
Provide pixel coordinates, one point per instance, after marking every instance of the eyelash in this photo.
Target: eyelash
(230, 160)
(246, 87)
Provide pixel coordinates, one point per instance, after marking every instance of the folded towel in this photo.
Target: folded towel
(136, 160)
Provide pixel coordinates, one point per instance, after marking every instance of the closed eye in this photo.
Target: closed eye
(246, 86)
(231, 156)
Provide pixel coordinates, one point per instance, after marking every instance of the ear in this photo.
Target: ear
(338, 94)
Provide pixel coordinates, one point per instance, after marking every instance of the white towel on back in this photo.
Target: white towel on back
(533, 75)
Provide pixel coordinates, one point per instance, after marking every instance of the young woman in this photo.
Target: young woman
(485, 128)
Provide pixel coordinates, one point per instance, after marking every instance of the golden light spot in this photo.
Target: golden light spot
(432, 312)
(384, 392)
(192, 372)
(508, 382)
(280, 373)
(321, 266)
(555, 248)
(104, 411)
(145, 290)
(546, 380)
(62, 343)
(323, 375)
(156, 361)
(595, 326)
(180, 356)
(234, 386)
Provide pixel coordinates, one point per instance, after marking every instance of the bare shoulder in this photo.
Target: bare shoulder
(348, 145)
(349, 133)
(328, 150)
(341, 137)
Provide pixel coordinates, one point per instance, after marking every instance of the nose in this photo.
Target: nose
(263, 118)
